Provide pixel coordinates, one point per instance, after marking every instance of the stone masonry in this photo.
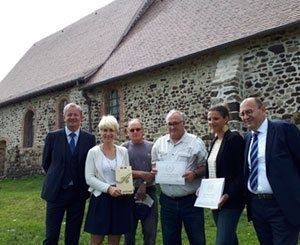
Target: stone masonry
(267, 67)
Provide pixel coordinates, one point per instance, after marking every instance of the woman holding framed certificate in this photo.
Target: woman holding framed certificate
(109, 211)
(225, 160)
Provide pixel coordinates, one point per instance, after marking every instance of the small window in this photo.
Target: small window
(28, 129)
(61, 106)
(113, 104)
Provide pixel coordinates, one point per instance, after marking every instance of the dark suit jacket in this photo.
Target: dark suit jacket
(229, 164)
(282, 167)
(54, 160)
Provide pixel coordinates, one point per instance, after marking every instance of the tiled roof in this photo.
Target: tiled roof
(72, 53)
(167, 31)
(171, 29)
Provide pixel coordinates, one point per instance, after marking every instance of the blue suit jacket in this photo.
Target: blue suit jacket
(282, 167)
(54, 160)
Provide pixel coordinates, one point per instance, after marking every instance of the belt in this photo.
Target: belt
(263, 196)
(179, 198)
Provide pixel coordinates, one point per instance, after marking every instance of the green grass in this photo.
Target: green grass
(22, 214)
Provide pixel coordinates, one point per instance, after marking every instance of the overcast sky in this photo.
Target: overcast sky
(23, 23)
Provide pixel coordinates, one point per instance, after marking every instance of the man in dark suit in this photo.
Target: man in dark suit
(64, 188)
(272, 172)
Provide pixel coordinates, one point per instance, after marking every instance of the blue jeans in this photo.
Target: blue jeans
(226, 221)
(149, 225)
(174, 212)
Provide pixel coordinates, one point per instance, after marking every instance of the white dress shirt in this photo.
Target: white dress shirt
(189, 149)
(263, 182)
(68, 132)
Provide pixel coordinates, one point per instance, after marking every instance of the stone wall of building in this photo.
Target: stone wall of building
(271, 70)
(22, 161)
(184, 86)
(267, 67)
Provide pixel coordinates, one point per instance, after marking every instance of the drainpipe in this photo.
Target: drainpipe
(89, 103)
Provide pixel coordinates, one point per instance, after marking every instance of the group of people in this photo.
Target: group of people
(261, 170)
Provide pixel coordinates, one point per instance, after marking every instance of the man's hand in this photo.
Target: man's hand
(154, 170)
(141, 192)
(189, 176)
(144, 175)
(148, 176)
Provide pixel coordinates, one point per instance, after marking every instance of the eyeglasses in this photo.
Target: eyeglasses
(246, 113)
(174, 123)
(135, 129)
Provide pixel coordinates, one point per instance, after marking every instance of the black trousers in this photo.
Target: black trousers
(71, 203)
(271, 226)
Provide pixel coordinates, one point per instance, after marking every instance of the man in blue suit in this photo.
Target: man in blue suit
(64, 188)
(272, 175)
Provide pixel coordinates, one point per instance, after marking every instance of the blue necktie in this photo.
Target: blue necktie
(72, 142)
(253, 178)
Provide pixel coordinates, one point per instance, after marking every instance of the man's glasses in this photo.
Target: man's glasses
(174, 123)
(135, 129)
(246, 113)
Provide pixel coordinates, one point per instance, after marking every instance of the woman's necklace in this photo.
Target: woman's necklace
(110, 153)
(111, 157)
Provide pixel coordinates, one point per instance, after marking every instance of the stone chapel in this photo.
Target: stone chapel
(142, 58)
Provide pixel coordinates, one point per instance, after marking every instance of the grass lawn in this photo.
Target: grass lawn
(22, 214)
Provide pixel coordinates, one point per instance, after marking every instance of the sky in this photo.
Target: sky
(23, 23)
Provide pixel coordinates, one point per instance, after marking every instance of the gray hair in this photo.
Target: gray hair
(68, 106)
(173, 111)
(136, 119)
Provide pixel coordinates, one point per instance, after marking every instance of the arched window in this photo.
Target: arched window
(28, 129)
(61, 106)
(113, 104)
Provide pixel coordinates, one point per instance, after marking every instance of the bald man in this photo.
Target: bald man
(272, 175)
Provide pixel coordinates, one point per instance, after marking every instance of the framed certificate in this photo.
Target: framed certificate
(124, 179)
(210, 192)
(170, 172)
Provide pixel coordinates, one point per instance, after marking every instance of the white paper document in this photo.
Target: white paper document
(210, 192)
(170, 172)
(147, 201)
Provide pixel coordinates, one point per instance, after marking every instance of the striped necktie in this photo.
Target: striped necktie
(72, 142)
(253, 178)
